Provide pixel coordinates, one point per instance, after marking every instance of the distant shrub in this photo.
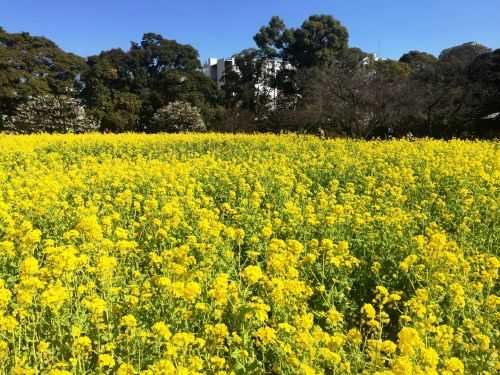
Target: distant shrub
(178, 116)
(51, 114)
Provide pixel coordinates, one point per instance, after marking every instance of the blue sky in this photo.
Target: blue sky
(222, 27)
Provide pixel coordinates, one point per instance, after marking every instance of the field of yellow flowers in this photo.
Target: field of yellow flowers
(224, 254)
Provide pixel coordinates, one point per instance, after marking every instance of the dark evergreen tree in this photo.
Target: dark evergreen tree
(32, 66)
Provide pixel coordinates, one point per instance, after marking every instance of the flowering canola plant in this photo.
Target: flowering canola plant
(238, 254)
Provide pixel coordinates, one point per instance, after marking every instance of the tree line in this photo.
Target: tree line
(304, 79)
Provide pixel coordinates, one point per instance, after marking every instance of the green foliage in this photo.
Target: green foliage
(125, 89)
(421, 63)
(270, 39)
(316, 42)
(485, 72)
(31, 66)
(463, 55)
(391, 71)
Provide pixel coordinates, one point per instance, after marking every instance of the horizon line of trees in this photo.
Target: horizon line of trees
(323, 85)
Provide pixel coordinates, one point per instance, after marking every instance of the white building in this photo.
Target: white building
(217, 68)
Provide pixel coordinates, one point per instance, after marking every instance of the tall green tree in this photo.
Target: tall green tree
(485, 73)
(460, 57)
(32, 66)
(462, 95)
(423, 65)
(448, 97)
(317, 42)
(125, 89)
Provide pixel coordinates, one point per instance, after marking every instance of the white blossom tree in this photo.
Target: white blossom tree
(51, 114)
(178, 116)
